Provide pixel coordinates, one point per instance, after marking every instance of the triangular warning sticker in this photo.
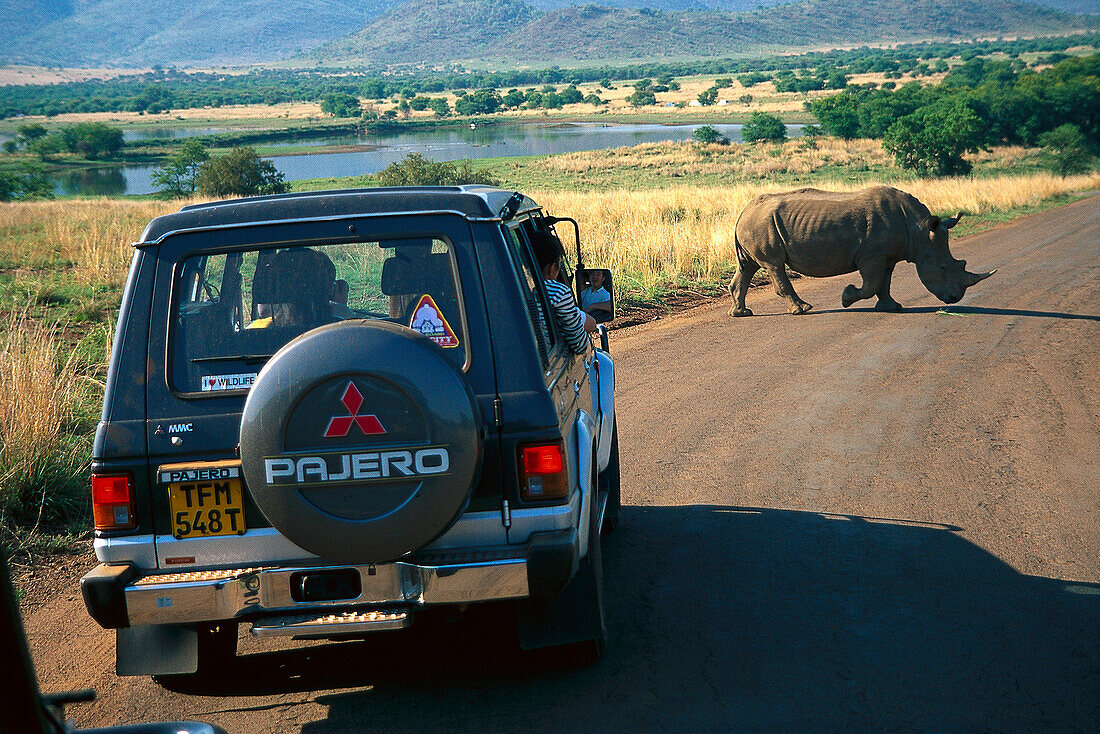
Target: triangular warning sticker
(429, 321)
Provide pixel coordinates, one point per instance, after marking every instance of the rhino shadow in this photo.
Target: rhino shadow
(961, 310)
(731, 619)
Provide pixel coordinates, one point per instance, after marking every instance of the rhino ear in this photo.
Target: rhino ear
(949, 223)
(933, 223)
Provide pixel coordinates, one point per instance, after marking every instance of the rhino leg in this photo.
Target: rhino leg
(739, 286)
(872, 271)
(784, 288)
(885, 301)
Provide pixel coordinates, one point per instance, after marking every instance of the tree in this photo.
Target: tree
(416, 170)
(709, 135)
(708, 96)
(513, 99)
(241, 172)
(179, 177)
(933, 139)
(480, 102)
(1067, 150)
(91, 139)
(440, 106)
(838, 115)
(763, 127)
(340, 104)
(641, 98)
(30, 182)
(30, 132)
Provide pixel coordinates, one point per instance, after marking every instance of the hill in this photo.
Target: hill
(86, 33)
(437, 31)
(89, 33)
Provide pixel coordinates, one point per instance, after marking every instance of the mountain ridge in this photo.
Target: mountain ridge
(89, 33)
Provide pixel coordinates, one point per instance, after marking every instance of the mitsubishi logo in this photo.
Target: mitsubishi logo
(340, 425)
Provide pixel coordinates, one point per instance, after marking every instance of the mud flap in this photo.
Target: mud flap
(162, 649)
(574, 615)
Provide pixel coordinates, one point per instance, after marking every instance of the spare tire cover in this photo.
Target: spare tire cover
(360, 441)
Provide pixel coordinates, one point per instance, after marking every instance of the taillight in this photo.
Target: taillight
(542, 471)
(112, 501)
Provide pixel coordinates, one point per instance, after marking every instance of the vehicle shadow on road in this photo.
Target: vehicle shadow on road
(967, 311)
(731, 619)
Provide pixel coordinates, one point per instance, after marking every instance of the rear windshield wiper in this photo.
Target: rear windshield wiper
(246, 358)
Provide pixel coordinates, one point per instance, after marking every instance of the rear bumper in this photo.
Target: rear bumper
(119, 596)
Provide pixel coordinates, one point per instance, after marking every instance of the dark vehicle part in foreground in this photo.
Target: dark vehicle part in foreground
(28, 711)
(327, 411)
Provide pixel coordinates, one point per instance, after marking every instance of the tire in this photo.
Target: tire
(351, 454)
(608, 481)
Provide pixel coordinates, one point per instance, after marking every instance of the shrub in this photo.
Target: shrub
(241, 172)
(1066, 149)
(933, 139)
(339, 104)
(641, 98)
(764, 127)
(709, 135)
(91, 139)
(29, 183)
(416, 170)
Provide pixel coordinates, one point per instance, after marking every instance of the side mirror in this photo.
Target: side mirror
(596, 293)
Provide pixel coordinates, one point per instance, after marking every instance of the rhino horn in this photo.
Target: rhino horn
(951, 222)
(972, 278)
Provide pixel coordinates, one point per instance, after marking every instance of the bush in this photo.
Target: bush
(416, 170)
(29, 183)
(91, 139)
(933, 139)
(1066, 149)
(339, 104)
(641, 98)
(709, 135)
(241, 172)
(179, 177)
(708, 97)
(764, 127)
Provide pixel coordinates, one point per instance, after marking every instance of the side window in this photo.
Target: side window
(532, 293)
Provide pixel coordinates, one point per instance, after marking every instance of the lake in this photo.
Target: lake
(439, 145)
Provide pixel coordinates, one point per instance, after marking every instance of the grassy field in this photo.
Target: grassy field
(661, 216)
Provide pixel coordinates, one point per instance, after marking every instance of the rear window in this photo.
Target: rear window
(232, 310)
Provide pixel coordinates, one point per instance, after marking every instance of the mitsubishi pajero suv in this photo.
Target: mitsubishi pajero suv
(327, 411)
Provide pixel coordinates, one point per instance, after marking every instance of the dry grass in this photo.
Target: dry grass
(89, 237)
(795, 157)
(42, 385)
(665, 236)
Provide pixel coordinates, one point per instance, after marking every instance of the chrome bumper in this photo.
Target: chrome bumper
(244, 593)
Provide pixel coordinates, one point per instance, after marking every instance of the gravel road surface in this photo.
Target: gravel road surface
(843, 521)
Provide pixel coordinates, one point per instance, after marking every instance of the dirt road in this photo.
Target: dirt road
(845, 521)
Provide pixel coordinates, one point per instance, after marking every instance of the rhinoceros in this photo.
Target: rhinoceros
(825, 233)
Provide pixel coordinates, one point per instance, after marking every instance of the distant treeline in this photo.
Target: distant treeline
(163, 90)
(1014, 105)
(981, 103)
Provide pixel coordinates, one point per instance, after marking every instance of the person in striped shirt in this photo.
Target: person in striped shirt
(573, 323)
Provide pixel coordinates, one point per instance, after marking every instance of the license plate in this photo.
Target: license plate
(206, 508)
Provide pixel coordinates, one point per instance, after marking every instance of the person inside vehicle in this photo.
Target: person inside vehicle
(595, 299)
(302, 281)
(338, 303)
(572, 321)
